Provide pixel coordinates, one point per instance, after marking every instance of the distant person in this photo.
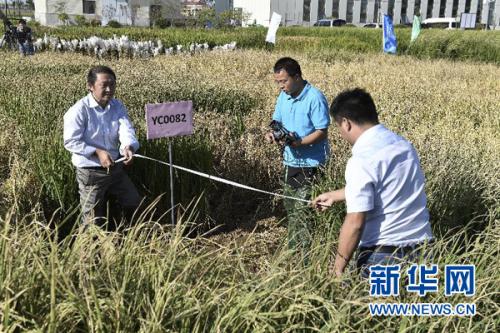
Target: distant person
(303, 111)
(97, 131)
(24, 38)
(387, 217)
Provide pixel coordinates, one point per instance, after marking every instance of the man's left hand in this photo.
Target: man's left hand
(296, 142)
(129, 155)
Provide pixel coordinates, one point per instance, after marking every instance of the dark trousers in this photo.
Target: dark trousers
(95, 184)
(298, 183)
(388, 255)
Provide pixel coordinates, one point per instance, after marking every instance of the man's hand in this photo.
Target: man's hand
(270, 137)
(129, 155)
(297, 142)
(104, 158)
(323, 201)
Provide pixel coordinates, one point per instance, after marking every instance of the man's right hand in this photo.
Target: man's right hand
(104, 158)
(270, 137)
(325, 200)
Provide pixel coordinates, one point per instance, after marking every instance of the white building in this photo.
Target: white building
(127, 12)
(359, 12)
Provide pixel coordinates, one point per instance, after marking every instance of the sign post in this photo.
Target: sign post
(169, 120)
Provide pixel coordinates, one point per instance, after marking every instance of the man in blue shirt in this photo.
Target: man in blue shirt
(384, 193)
(97, 131)
(303, 110)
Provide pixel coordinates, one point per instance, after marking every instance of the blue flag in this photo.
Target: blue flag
(389, 40)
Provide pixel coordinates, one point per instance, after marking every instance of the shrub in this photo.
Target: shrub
(80, 20)
(95, 22)
(114, 24)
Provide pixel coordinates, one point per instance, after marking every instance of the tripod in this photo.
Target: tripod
(9, 37)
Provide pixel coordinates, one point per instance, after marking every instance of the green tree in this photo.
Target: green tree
(232, 18)
(60, 8)
(30, 4)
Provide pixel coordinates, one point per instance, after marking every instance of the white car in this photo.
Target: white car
(441, 22)
(330, 23)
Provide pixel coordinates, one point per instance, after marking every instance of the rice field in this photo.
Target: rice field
(240, 277)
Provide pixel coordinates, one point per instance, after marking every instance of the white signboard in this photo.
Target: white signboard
(468, 21)
(169, 119)
(273, 28)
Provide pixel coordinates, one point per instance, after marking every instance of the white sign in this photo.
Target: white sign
(169, 119)
(273, 28)
(468, 21)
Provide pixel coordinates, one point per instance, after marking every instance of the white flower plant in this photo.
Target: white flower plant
(122, 47)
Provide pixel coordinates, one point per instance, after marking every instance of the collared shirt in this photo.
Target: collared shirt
(384, 179)
(88, 126)
(303, 115)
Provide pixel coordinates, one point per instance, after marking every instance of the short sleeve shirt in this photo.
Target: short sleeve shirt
(385, 180)
(303, 115)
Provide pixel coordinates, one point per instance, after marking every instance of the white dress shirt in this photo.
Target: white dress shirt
(384, 179)
(88, 126)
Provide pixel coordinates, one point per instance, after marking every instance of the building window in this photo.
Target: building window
(321, 9)
(89, 6)
(350, 5)
(479, 10)
(362, 14)
(404, 12)
(454, 12)
(335, 8)
(467, 6)
(430, 4)
(154, 13)
(442, 8)
(390, 8)
(307, 11)
(416, 9)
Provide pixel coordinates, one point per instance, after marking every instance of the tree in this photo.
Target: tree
(232, 18)
(61, 12)
(30, 4)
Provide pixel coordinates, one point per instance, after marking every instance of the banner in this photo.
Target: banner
(389, 38)
(273, 28)
(415, 31)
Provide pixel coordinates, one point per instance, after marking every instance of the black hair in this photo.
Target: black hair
(23, 21)
(92, 75)
(291, 66)
(356, 105)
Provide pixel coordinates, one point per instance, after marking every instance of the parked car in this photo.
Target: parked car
(447, 23)
(370, 25)
(330, 23)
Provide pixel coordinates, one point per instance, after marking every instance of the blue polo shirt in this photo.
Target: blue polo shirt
(303, 115)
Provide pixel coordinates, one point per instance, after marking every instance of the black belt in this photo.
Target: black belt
(391, 249)
(94, 168)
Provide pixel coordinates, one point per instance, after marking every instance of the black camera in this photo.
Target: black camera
(280, 133)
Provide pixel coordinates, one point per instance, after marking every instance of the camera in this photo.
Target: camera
(280, 133)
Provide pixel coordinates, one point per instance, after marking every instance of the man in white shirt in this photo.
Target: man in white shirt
(97, 131)
(384, 193)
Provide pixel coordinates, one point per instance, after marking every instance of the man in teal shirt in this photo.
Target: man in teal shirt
(303, 110)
